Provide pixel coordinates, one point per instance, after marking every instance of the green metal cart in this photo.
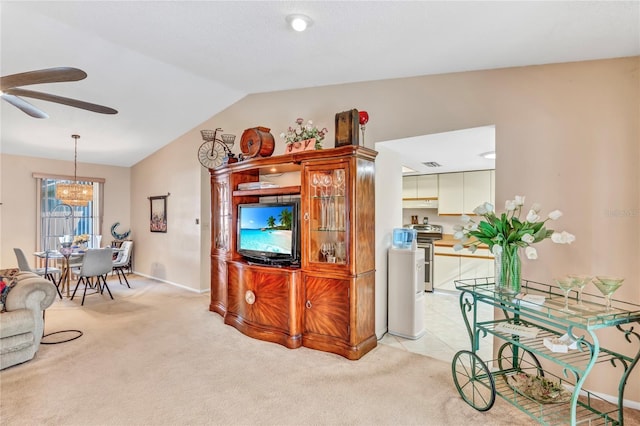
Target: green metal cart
(545, 384)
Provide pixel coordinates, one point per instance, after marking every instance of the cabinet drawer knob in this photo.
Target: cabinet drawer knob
(308, 304)
(250, 297)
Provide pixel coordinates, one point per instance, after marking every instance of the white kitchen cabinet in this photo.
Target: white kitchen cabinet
(450, 198)
(462, 192)
(450, 265)
(427, 186)
(420, 187)
(409, 187)
(476, 190)
(477, 265)
(446, 268)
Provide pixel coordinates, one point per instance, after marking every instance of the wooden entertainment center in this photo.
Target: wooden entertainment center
(327, 302)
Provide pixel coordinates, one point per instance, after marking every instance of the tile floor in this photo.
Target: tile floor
(446, 333)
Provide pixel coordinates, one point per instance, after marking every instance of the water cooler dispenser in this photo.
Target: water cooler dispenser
(406, 287)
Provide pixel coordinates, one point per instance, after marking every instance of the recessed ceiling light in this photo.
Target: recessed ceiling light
(406, 169)
(491, 155)
(299, 22)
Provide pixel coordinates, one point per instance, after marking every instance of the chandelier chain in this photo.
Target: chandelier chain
(75, 158)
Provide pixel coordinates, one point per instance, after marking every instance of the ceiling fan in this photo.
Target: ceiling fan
(12, 93)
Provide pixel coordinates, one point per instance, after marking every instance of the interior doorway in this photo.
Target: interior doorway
(461, 150)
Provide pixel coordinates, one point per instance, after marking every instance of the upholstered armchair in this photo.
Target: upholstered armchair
(21, 326)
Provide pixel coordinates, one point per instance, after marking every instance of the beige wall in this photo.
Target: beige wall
(18, 197)
(174, 256)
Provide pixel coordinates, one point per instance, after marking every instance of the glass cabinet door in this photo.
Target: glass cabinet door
(221, 218)
(327, 214)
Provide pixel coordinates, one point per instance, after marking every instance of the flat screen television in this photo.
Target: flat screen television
(268, 233)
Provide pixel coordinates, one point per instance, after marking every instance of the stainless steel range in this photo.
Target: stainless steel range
(426, 235)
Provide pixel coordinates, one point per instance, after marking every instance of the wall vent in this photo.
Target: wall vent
(432, 164)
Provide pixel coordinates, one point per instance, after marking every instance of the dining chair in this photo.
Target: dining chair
(123, 261)
(46, 272)
(96, 263)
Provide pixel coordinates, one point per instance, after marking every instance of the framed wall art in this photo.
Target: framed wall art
(158, 222)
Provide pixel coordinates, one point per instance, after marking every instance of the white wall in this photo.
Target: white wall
(388, 216)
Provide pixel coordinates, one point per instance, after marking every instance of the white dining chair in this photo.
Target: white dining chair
(123, 261)
(46, 272)
(96, 263)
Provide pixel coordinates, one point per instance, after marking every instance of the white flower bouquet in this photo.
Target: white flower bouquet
(508, 229)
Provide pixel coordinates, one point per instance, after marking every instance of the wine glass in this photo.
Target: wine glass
(315, 182)
(565, 284)
(324, 249)
(339, 182)
(579, 282)
(326, 181)
(340, 251)
(65, 244)
(607, 286)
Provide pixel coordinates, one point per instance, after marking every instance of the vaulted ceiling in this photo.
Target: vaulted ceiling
(167, 66)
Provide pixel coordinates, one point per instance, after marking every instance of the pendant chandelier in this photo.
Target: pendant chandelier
(74, 194)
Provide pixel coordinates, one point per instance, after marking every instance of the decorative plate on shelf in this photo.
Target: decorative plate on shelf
(538, 388)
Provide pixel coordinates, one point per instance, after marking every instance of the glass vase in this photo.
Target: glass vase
(507, 272)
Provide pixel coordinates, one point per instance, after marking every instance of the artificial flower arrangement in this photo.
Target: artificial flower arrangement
(303, 132)
(81, 239)
(507, 229)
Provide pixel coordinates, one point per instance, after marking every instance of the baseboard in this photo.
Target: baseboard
(172, 283)
(610, 398)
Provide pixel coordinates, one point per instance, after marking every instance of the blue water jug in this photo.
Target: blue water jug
(403, 237)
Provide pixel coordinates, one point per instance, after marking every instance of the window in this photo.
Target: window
(56, 219)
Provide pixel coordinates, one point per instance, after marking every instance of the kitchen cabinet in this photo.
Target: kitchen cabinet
(476, 265)
(420, 192)
(420, 187)
(450, 265)
(446, 269)
(409, 187)
(427, 186)
(450, 199)
(476, 190)
(462, 192)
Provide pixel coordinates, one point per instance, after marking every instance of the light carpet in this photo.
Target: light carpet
(156, 356)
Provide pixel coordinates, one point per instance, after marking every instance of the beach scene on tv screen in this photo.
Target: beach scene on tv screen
(266, 229)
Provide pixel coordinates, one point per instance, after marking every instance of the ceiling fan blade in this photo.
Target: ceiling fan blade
(49, 75)
(25, 106)
(62, 100)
